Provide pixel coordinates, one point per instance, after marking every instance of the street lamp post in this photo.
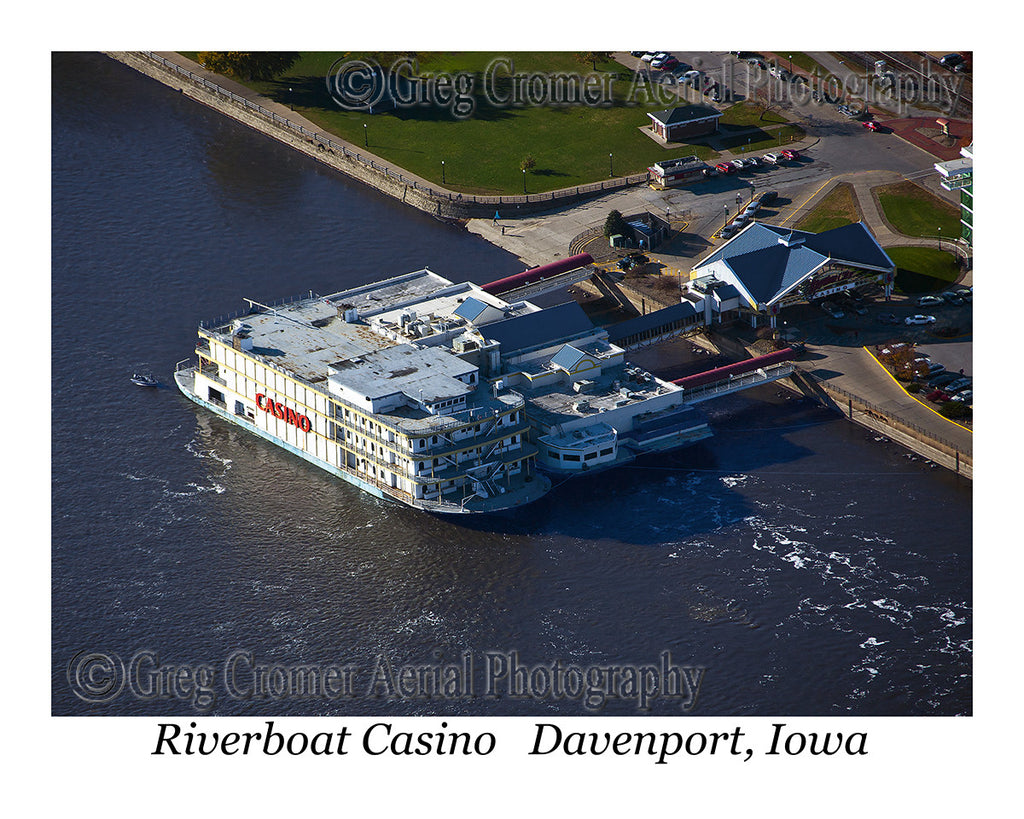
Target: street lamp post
(739, 203)
(366, 137)
(524, 180)
(610, 172)
(940, 238)
(442, 171)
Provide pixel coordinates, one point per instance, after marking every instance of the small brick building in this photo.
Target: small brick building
(684, 122)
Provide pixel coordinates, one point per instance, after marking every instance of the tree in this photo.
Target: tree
(528, 163)
(765, 101)
(593, 57)
(248, 65)
(615, 224)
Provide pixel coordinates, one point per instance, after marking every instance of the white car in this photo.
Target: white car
(651, 56)
(771, 159)
(966, 396)
(692, 77)
(924, 301)
(919, 320)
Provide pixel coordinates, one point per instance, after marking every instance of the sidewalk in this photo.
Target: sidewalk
(854, 370)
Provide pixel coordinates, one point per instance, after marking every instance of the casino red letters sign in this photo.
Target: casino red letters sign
(287, 414)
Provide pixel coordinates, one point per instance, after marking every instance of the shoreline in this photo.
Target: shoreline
(532, 239)
(292, 129)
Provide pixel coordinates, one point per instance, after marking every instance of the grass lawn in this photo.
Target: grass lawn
(765, 140)
(482, 153)
(923, 269)
(913, 211)
(802, 61)
(838, 208)
(747, 115)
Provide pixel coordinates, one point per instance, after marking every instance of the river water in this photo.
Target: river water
(792, 564)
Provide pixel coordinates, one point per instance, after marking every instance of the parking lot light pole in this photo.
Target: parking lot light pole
(610, 172)
(442, 171)
(739, 203)
(940, 238)
(366, 137)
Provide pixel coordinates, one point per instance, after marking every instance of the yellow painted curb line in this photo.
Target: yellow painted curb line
(808, 199)
(898, 384)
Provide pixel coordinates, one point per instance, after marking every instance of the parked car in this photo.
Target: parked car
(966, 396)
(692, 77)
(665, 63)
(771, 159)
(768, 197)
(753, 207)
(961, 383)
(951, 61)
(934, 368)
(790, 154)
(751, 162)
(651, 56)
(925, 301)
(966, 293)
(725, 167)
(951, 298)
(919, 319)
(942, 379)
(738, 164)
(871, 125)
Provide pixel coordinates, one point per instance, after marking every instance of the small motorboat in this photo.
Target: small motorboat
(144, 380)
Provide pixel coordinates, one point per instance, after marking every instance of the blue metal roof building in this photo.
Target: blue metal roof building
(534, 331)
(654, 325)
(771, 266)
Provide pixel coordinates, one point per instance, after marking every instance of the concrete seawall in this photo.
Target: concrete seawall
(349, 159)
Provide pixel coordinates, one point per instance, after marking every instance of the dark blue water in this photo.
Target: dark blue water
(806, 566)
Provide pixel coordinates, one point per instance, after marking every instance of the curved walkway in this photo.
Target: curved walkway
(855, 371)
(863, 183)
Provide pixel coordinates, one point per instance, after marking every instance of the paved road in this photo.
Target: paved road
(834, 146)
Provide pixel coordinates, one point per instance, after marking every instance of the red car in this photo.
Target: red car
(790, 154)
(871, 125)
(725, 167)
(668, 63)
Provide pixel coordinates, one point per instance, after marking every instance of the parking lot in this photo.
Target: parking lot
(876, 321)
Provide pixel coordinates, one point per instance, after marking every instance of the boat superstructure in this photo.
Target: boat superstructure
(440, 395)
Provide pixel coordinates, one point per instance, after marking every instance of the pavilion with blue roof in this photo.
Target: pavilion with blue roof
(772, 267)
